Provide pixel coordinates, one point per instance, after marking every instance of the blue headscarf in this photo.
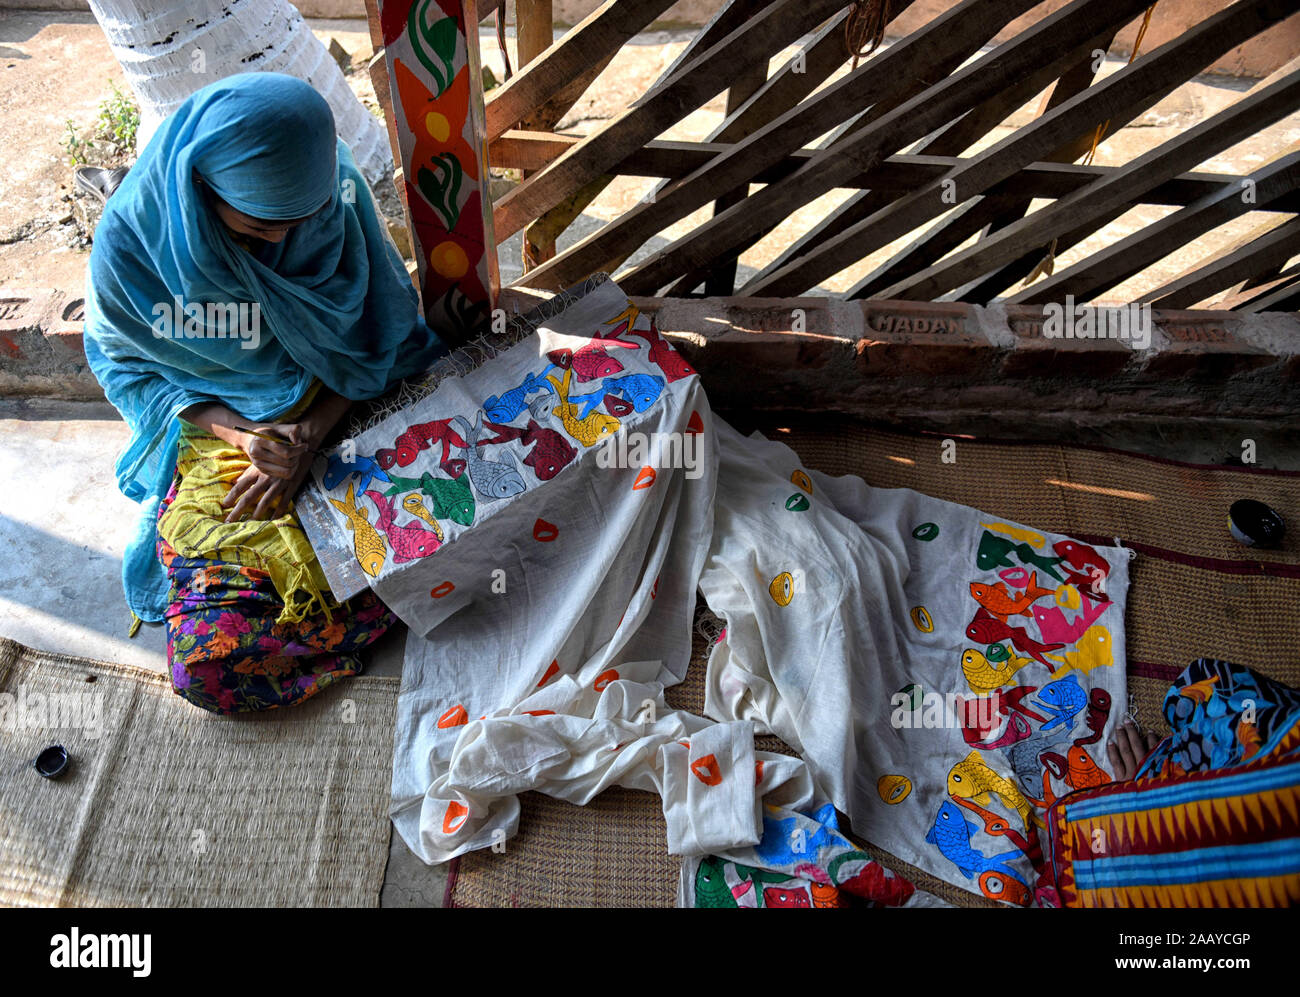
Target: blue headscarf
(334, 298)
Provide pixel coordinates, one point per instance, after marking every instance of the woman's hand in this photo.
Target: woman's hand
(258, 495)
(283, 458)
(1127, 749)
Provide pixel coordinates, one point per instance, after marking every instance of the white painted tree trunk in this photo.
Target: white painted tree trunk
(168, 51)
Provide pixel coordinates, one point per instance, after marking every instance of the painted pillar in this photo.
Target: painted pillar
(431, 53)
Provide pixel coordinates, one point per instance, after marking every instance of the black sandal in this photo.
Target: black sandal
(99, 183)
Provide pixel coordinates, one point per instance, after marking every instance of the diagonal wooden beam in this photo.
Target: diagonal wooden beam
(1142, 83)
(1108, 197)
(1050, 39)
(618, 239)
(1280, 293)
(953, 139)
(1264, 252)
(573, 57)
(998, 282)
(1116, 263)
(961, 29)
(702, 78)
(916, 80)
(988, 214)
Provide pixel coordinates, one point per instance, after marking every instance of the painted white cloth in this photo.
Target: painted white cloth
(849, 613)
(550, 601)
(551, 598)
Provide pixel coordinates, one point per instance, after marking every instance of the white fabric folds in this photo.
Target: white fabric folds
(543, 523)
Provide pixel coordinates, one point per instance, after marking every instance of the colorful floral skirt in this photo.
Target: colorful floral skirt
(228, 654)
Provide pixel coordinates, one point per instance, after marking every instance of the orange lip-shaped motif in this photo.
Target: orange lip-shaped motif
(454, 717)
(706, 769)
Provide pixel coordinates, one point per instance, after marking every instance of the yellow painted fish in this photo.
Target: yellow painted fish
(1093, 650)
(971, 779)
(368, 544)
(1015, 533)
(415, 507)
(586, 431)
(983, 676)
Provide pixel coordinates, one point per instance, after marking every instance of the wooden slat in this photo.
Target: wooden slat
(1282, 293)
(532, 150)
(989, 214)
(997, 282)
(800, 75)
(915, 80)
(1104, 269)
(721, 279)
(951, 140)
(667, 104)
(1108, 197)
(1265, 252)
(597, 37)
(879, 79)
(729, 17)
(1143, 83)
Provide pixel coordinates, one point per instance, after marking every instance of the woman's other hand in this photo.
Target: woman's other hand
(1127, 749)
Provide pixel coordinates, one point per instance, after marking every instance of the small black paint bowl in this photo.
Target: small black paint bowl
(52, 762)
(1255, 524)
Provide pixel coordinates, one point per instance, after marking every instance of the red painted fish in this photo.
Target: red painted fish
(551, 452)
(987, 629)
(779, 896)
(662, 354)
(1098, 714)
(590, 362)
(409, 542)
(419, 437)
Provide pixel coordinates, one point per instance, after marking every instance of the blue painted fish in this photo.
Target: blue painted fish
(1062, 699)
(507, 406)
(451, 497)
(588, 431)
(639, 390)
(951, 834)
(363, 468)
(491, 479)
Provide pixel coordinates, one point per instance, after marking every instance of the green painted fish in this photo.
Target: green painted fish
(994, 550)
(451, 498)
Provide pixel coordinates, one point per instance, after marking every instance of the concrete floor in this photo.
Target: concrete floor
(63, 527)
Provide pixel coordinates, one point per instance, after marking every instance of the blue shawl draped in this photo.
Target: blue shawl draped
(334, 298)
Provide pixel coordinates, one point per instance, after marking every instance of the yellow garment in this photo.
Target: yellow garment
(195, 524)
